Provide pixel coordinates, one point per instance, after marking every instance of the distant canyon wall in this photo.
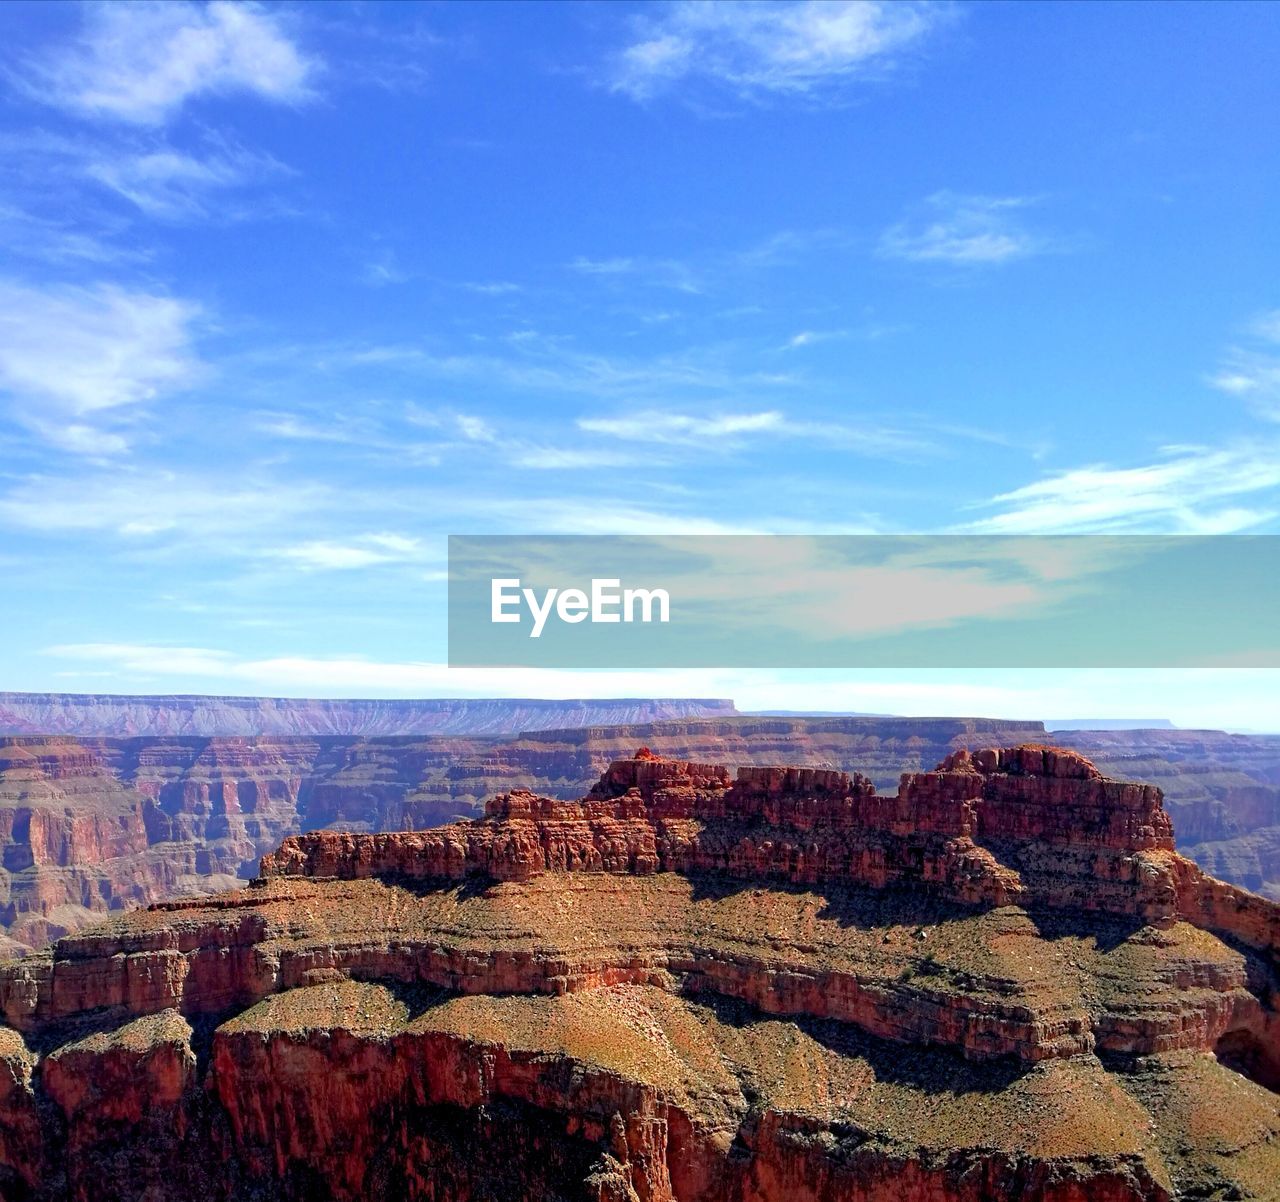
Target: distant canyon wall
(103, 714)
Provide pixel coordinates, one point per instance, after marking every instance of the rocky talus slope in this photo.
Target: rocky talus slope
(997, 982)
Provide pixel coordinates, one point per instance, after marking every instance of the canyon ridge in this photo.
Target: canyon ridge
(997, 981)
(92, 825)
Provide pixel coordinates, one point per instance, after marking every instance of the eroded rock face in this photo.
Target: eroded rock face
(89, 825)
(1221, 790)
(998, 981)
(1066, 835)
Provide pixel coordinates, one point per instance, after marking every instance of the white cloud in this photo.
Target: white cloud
(812, 338)
(596, 515)
(141, 62)
(965, 231)
(60, 241)
(1267, 326)
(758, 48)
(654, 426)
(493, 288)
(469, 426)
(140, 504)
(1252, 372)
(544, 364)
(368, 551)
(1255, 378)
(558, 458)
(143, 169)
(474, 429)
(171, 185)
(1191, 490)
(68, 356)
(656, 273)
(705, 431)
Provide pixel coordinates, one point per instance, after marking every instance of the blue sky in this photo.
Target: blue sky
(290, 293)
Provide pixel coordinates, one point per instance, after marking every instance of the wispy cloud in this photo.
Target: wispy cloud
(760, 48)
(573, 459)
(656, 273)
(142, 62)
(1251, 371)
(711, 432)
(204, 179)
(812, 338)
(706, 270)
(383, 270)
(1191, 490)
(469, 426)
(493, 288)
(654, 426)
(173, 185)
(533, 361)
(65, 242)
(72, 358)
(143, 503)
(965, 230)
(365, 551)
(1267, 326)
(790, 247)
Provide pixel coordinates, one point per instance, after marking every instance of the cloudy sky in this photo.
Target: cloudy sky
(290, 293)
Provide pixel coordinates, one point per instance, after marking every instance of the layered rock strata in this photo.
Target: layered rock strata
(194, 815)
(198, 813)
(999, 981)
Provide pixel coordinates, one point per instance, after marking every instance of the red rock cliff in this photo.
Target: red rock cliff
(997, 982)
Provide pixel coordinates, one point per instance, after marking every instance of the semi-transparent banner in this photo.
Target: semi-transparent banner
(864, 601)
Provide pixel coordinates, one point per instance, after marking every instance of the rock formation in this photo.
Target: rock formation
(1222, 791)
(998, 981)
(194, 815)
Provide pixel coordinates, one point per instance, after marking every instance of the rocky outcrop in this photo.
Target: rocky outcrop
(90, 826)
(200, 812)
(997, 981)
(1065, 834)
(1221, 790)
(197, 813)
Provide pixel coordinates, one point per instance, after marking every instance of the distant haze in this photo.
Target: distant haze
(106, 715)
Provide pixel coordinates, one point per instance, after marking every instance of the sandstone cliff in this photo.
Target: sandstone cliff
(997, 981)
(201, 811)
(1222, 791)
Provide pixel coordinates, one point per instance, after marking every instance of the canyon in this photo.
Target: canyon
(93, 825)
(123, 715)
(997, 980)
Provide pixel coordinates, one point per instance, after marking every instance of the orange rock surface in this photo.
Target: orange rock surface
(999, 981)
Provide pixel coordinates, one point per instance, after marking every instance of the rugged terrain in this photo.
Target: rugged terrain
(93, 825)
(998, 981)
(1222, 791)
